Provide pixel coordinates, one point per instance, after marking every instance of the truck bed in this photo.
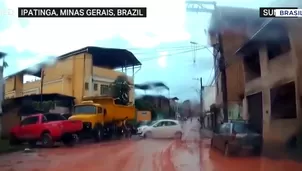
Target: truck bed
(119, 112)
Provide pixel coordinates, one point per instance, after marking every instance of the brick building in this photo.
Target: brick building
(235, 29)
(273, 83)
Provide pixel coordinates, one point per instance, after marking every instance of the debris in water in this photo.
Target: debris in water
(28, 150)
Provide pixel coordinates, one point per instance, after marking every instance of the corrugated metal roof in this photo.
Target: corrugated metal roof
(102, 57)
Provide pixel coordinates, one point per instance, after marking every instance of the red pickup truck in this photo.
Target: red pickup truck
(47, 128)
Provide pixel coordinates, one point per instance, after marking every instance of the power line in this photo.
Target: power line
(162, 48)
(153, 58)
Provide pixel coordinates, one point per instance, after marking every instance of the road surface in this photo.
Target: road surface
(140, 155)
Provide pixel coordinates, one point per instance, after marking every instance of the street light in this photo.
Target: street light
(199, 6)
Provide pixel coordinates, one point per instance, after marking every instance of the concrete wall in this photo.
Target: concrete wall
(209, 95)
(276, 72)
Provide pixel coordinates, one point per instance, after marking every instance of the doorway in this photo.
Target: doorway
(255, 112)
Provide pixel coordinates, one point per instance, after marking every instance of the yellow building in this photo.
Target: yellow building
(84, 72)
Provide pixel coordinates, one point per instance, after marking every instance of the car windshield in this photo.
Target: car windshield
(87, 109)
(240, 128)
(151, 123)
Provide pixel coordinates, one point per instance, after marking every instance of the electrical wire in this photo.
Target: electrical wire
(154, 58)
(161, 48)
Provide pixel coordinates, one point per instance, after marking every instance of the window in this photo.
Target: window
(225, 128)
(54, 117)
(277, 48)
(160, 124)
(86, 86)
(171, 123)
(95, 87)
(240, 127)
(30, 120)
(44, 119)
(104, 89)
(85, 109)
(100, 110)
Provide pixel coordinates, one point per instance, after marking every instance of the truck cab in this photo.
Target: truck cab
(101, 117)
(92, 116)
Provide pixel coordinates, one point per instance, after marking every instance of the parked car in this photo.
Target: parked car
(233, 137)
(66, 115)
(143, 125)
(165, 128)
(47, 128)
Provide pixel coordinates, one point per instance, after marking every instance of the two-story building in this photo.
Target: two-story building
(273, 82)
(235, 29)
(85, 72)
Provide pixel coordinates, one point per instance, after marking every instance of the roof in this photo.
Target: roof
(151, 85)
(172, 120)
(9, 104)
(229, 16)
(270, 31)
(103, 57)
(2, 54)
(45, 97)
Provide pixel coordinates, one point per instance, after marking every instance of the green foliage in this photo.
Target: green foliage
(5, 64)
(120, 90)
(44, 106)
(141, 104)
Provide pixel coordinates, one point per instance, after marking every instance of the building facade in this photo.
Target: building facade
(273, 83)
(85, 72)
(235, 30)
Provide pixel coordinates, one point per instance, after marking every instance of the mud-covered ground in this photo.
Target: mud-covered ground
(191, 154)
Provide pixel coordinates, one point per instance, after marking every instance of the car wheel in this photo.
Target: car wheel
(148, 134)
(226, 150)
(178, 135)
(98, 134)
(71, 140)
(47, 140)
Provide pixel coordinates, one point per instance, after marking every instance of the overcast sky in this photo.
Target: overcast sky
(161, 41)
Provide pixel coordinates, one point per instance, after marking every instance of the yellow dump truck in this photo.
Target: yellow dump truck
(101, 117)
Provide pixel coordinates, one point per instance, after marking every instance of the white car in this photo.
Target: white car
(164, 128)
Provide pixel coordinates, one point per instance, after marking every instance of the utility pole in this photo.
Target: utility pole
(200, 92)
(41, 87)
(198, 6)
(2, 56)
(201, 95)
(194, 46)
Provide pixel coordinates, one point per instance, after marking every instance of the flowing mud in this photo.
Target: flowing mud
(188, 154)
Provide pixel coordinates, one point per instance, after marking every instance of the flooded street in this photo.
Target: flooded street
(141, 155)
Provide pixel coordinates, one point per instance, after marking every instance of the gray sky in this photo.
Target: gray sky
(161, 41)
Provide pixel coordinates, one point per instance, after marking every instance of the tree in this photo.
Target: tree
(120, 90)
(2, 56)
